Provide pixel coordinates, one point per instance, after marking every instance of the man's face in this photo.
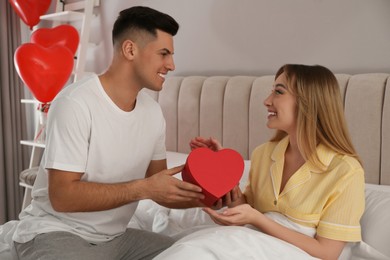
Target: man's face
(154, 60)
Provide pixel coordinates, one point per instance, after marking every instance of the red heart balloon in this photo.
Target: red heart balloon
(64, 35)
(216, 173)
(30, 10)
(44, 70)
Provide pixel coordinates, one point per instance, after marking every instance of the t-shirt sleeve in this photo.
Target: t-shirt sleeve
(340, 219)
(160, 149)
(67, 136)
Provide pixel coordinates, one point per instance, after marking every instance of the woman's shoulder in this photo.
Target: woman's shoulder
(334, 160)
(346, 168)
(347, 161)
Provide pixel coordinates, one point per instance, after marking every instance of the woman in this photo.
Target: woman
(309, 171)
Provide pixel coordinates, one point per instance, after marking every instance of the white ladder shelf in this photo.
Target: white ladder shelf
(74, 12)
(64, 13)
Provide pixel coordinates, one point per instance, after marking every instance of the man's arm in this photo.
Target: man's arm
(68, 193)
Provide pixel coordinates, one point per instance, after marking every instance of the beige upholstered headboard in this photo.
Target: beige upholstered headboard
(231, 109)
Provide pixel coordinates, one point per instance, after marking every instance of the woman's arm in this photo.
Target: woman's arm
(319, 247)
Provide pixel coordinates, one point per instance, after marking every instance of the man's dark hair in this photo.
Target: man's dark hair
(142, 18)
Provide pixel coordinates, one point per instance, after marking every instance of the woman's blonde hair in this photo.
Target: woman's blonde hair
(320, 113)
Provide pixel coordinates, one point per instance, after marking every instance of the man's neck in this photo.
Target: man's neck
(121, 90)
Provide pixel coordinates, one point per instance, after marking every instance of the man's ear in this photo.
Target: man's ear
(129, 48)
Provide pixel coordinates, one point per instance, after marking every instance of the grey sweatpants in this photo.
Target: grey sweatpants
(133, 244)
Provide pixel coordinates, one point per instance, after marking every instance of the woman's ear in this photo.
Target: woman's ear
(129, 49)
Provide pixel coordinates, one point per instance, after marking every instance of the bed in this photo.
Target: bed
(230, 108)
(199, 238)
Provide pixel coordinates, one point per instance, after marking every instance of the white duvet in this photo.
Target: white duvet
(232, 242)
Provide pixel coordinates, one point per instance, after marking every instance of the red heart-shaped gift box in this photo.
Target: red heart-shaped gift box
(216, 173)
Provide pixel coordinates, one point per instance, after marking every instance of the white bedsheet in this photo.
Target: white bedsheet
(6, 232)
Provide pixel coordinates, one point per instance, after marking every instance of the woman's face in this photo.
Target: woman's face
(281, 106)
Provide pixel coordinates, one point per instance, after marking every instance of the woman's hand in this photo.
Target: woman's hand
(210, 143)
(231, 199)
(234, 197)
(236, 216)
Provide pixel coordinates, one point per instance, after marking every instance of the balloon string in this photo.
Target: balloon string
(39, 134)
(44, 109)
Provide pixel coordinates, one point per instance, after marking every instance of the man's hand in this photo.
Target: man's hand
(169, 191)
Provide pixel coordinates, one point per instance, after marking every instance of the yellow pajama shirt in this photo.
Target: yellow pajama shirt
(331, 200)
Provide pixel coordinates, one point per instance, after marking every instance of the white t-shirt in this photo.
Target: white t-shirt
(86, 132)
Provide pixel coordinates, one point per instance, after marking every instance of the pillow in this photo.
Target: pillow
(145, 214)
(175, 159)
(375, 220)
(245, 175)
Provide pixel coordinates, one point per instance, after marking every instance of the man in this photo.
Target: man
(105, 151)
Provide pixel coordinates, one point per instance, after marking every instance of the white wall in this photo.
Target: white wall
(256, 37)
